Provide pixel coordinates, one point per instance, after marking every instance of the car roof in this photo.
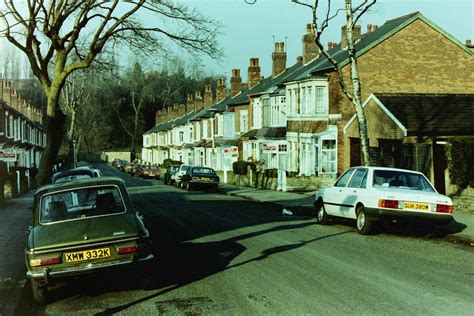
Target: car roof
(386, 168)
(80, 183)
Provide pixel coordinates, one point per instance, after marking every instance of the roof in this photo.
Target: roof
(271, 132)
(240, 98)
(249, 134)
(432, 114)
(368, 40)
(80, 183)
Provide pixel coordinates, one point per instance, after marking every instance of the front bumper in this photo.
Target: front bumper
(378, 213)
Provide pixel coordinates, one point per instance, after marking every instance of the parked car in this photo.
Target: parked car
(200, 177)
(371, 194)
(72, 175)
(129, 168)
(121, 165)
(97, 172)
(80, 227)
(170, 172)
(146, 171)
(177, 176)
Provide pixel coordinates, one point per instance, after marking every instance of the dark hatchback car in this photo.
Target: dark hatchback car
(200, 177)
(168, 178)
(80, 227)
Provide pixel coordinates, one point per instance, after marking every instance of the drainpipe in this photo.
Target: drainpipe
(18, 178)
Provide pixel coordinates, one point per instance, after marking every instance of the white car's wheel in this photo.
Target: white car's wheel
(321, 216)
(363, 222)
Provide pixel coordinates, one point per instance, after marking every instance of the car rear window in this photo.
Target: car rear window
(203, 171)
(81, 203)
(401, 180)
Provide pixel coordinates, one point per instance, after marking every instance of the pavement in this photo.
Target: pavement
(15, 218)
(460, 230)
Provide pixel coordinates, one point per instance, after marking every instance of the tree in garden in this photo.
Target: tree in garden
(321, 19)
(60, 37)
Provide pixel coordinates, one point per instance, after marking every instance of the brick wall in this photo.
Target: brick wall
(464, 201)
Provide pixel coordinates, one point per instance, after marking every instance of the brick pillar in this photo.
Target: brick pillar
(254, 76)
(279, 59)
(220, 89)
(208, 96)
(235, 82)
(310, 49)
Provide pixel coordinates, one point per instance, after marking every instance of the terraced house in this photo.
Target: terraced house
(298, 119)
(22, 134)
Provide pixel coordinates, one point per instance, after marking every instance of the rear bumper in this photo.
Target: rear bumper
(49, 274)
(204, 183)
(377, 213)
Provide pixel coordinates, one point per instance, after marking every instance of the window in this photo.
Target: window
(229, 127)
(266, 112)
(181, 136)
(197, 135)
(282, 147)
(204, 129)
(303, 108)
(342, 181)
(190, 133)
(321, 105)
(328, 156)
(220, 125)
(359, 179)
(309, 101)
(290, 101)
(257, 114)
(244, 124)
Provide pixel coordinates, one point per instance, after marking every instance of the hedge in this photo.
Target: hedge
(460, 154)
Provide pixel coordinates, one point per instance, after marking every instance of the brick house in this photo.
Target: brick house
(22, 134)
(410, 130)
(409, 54)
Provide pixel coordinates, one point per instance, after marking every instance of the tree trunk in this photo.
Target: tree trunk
(55, 130)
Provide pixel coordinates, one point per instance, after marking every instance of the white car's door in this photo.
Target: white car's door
(333, 196)
(356, 191)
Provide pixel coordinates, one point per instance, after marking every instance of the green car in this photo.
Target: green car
(83, 226)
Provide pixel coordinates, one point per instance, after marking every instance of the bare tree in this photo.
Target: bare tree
(60, 37)
(321, 20)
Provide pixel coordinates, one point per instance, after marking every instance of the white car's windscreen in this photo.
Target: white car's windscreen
(401, 180)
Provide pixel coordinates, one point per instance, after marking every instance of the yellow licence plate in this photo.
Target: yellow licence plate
(416, 206)
(87, 255)
(205, 179)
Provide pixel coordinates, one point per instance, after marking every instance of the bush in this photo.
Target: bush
(167, 162)
(271, 173)
(240, 167)
(460, 154)
(3, 172)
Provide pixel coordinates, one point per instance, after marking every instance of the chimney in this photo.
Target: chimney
(254, 76)
(220, 89)
(14, 99)
(369, 28)
(198, 102)
(329, 45)
(299, 59)
(469, 43)
(207, 95)
(310, 49)
(235, 82)
(374, 27)
(181, 109)
(279, 59)
(356, 33)
(190, 102)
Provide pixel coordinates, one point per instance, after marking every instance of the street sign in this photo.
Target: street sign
(231, 151)
(8, 155)
(270, 148)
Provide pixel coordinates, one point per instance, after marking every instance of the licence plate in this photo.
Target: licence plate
(205, 179)
(87, 255)
(416, 206)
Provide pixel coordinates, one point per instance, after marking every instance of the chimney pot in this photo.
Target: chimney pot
(310, 49)
(374, 27)
(369, 28)
(469, 43)
(299, 59)
(309, 28)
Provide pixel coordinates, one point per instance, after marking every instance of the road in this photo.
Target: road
(218, 254)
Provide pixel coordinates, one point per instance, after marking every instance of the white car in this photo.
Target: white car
(369, 194)
(177, 176)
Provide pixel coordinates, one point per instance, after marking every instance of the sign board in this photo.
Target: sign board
(270, 148)
(8, 155)
(231, 151)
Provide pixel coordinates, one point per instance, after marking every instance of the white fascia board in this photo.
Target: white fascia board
(380, 104)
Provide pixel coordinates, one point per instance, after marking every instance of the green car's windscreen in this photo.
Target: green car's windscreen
(81, 203)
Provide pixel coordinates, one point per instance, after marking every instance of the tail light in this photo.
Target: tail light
(44, 261)
(127, 249)
(388, 203)
(443, 208)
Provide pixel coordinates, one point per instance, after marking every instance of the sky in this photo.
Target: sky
(251, 30)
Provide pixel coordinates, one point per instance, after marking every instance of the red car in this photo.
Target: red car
(149, 172)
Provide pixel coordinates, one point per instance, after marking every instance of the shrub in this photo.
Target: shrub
(240, 167)
(460, 154)
(3, 172)
(271, 173)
